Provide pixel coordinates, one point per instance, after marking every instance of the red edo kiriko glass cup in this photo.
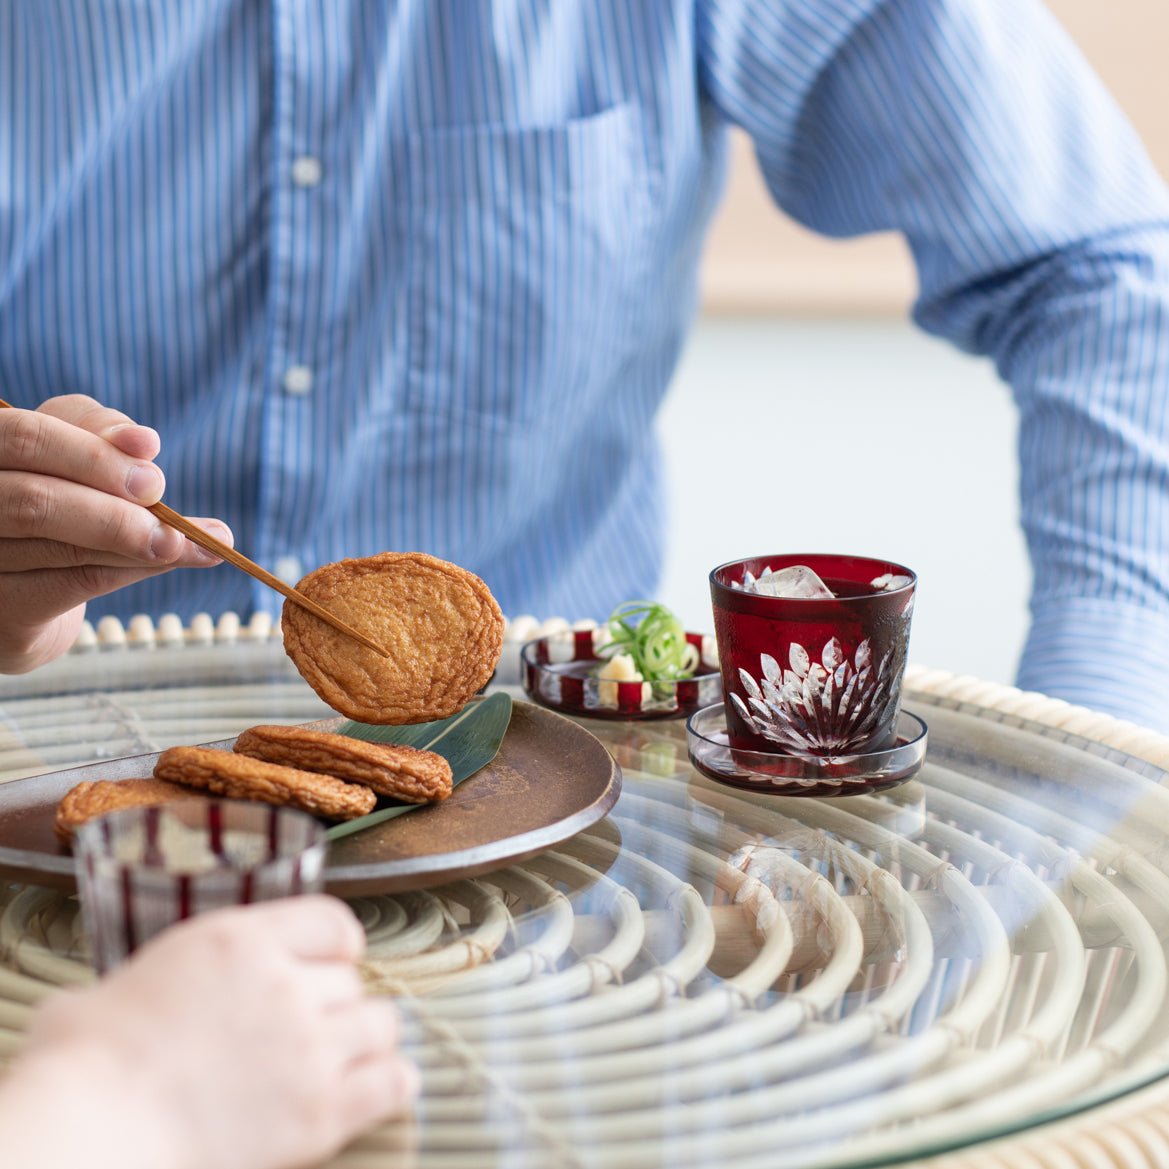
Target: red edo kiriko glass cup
(813, 676)
(140, 870)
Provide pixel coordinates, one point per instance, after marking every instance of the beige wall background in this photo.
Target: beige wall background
(759, 262)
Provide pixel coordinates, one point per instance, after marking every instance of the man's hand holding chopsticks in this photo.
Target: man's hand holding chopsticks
(74, 478)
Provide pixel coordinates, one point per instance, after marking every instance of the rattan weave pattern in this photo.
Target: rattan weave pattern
(712, 976)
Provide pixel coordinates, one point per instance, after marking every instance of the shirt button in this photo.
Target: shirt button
(289, 569)
(297, 379)
(307, 171)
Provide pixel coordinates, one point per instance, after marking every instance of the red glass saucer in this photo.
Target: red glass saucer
(779, 774)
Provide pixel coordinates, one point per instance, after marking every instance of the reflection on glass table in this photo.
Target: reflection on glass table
(714, 976)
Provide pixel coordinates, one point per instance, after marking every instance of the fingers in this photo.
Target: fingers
(36, 507)
(27, 555)
(33, 594)
(378, 1088)
(334, 986)
(313, 927)
(45, 606)
(76, 480)
(133, 439)
(39, 443)
(364, 1028)
(84, 411)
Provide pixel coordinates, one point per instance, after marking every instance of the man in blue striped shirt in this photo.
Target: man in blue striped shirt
(415, 275)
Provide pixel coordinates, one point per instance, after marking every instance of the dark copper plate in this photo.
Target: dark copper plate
(550, 780)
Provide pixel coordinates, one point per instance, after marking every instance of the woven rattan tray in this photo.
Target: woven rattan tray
(969, 969)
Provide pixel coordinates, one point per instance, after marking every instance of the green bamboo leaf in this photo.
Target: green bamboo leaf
(468, 741)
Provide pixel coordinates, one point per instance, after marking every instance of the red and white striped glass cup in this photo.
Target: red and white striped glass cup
(141, 870)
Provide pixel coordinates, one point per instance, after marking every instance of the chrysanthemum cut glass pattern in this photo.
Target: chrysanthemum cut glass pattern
(830, 707)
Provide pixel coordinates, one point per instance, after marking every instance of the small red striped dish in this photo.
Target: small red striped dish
(561, 671)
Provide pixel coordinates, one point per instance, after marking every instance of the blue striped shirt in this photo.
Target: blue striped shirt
(416, 274)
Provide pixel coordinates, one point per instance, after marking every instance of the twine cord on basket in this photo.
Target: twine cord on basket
(451, 1042)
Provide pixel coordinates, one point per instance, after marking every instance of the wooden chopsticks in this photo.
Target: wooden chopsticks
(197, 536)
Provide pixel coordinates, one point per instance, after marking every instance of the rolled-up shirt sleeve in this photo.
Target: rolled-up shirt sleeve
(1040, 232)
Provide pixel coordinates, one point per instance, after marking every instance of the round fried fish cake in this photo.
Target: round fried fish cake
(95, 798)
(239, 777)
(402, 773)
(440, 624)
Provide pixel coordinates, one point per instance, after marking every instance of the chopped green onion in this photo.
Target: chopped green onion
(655, 639)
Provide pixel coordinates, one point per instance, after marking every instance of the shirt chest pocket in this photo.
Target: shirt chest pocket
(526, 264)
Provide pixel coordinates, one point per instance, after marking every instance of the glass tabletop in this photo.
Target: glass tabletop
(712, 975)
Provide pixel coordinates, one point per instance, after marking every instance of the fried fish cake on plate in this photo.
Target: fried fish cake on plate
(95, 798)
(239, 777)
(439, 622)
(400, 772)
